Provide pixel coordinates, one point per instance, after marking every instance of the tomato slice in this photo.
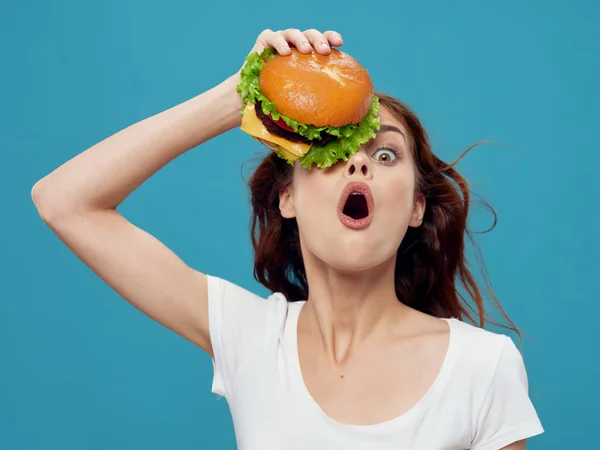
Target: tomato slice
(282, 124)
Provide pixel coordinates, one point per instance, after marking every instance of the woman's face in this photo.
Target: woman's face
(354, 215)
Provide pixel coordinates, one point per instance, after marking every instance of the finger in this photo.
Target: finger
(298, 39)
(318, 41)
(261, 41)
(334, 38)
(279, 43)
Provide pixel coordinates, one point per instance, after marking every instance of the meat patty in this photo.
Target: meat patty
(275, 129)
(291, 136)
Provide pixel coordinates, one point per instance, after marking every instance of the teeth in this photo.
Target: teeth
(355, 193)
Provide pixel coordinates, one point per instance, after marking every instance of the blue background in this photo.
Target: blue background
(82, 369)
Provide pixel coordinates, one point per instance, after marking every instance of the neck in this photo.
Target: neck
(345, 309)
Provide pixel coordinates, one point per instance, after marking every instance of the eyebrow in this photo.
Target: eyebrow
(385, 128)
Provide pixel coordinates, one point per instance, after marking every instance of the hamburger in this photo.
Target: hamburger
(318, 109)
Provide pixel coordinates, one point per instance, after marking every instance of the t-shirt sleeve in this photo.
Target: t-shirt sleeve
(507, 414)
(237, 321)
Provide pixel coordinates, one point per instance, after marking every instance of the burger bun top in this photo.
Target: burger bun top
(322, 90)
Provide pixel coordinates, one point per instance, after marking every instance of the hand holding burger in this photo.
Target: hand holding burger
(317, 107)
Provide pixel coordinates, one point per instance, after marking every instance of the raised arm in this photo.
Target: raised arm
(78, 201)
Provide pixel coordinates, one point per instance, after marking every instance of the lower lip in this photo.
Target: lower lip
(355, 224)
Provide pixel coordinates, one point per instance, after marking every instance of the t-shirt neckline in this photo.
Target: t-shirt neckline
(381, 427)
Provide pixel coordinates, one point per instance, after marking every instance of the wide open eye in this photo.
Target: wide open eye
(385, 155)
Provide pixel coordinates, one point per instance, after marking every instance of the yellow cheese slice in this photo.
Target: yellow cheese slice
(289, 156)
(278, 148)
(252, 125)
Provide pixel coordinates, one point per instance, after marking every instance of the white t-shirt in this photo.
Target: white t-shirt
(479, 400)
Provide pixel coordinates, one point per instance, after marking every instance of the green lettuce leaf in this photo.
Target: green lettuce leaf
(350, 137)
(343, 148)
(249, 85)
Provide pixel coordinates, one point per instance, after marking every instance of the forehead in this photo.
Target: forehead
(390, 119)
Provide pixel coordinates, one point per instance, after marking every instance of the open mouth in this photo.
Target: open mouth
(355, 209)
(356, 206)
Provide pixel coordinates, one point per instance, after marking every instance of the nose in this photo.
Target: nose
(358, 166)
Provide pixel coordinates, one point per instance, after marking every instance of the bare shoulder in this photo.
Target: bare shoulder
(425, 326)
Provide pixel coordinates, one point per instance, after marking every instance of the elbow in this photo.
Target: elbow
(54, 203)
(44, 201)
(37, 194)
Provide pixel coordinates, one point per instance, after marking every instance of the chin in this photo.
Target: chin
(354, 265)
(355, 253)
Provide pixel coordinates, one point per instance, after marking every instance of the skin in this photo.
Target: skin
(352, 324)
(351, 272)
(358, 345)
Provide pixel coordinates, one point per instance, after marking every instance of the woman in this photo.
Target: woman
(333, 359)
